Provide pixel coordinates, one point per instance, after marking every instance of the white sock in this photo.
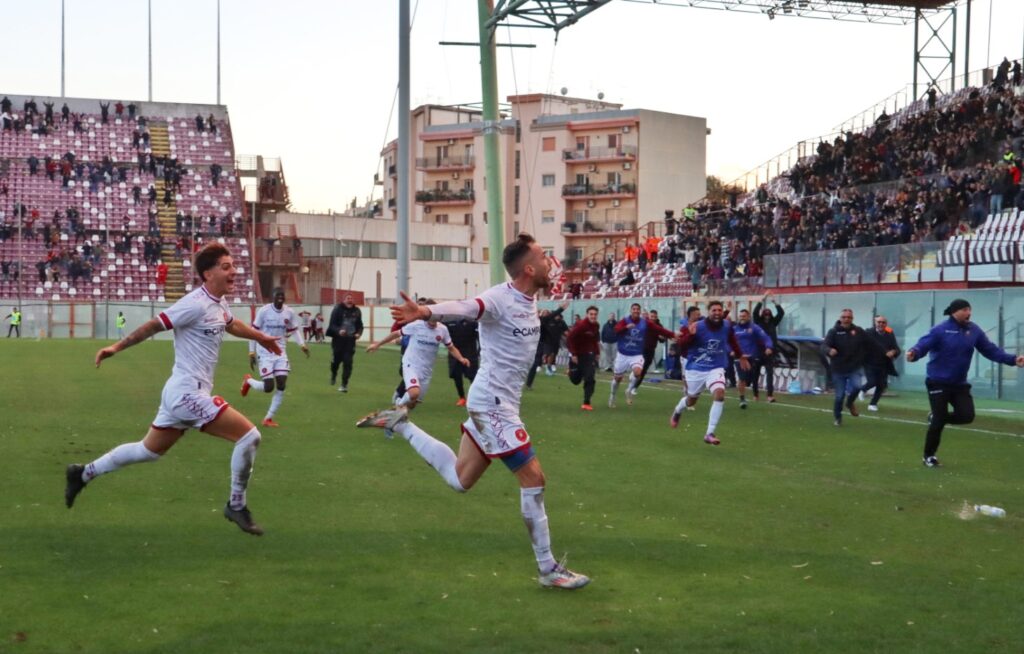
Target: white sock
(715, 415)
(437, 454)
(531, 501)
(615, 387)
(117, 458)
(255, 383)
(402, 401)
(242, 459)
(632, 383)
(275, 403)
(681, 405)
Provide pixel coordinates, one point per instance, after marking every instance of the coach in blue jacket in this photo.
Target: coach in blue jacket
(951, 346)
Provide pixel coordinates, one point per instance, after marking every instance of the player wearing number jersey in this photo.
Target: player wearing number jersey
(509, 331)
(199, 321)
(278, 320)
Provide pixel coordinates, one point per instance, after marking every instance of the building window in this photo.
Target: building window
(441, 218)
(517, 164)
(467, 219)
(515, 228)
(485, 217)
(519, 131)
(547, 216)
(442, 253)
(547, 180)
(462, 255)
(371, 250)
(613, 141)
(422, 252)
(548, 144)
(485, 255)
(390, 250)
(515, 196)
(350, 249)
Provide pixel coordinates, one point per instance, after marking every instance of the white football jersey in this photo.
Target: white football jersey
(421, 352)
(279, 324)
(509, 332)
(198, 321)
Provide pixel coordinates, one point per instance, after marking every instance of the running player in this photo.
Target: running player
(199, 321)
(509, 331)
(757, 345)
(279, 321)
(706, 341)
(419, 356)
(583, 343)
(632, 334)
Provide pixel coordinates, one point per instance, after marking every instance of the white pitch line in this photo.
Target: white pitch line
(905, 421)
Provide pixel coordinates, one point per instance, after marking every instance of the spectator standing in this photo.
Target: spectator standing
(844, 345)
(950, 346)
(764, 319)
(345, 328)
(879, 361)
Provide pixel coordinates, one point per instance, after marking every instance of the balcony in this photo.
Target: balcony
(446, 163)
(621, 153)
(622, 190)
(444, 196)
(591, 228)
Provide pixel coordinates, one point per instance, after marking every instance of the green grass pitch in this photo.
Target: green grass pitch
(792, 536)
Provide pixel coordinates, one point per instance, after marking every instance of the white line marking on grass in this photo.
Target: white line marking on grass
(904, 421)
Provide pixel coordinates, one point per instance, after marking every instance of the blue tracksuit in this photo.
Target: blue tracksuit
(951, 346)
(753, 340)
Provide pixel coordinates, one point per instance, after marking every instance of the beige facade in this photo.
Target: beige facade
(576, 173)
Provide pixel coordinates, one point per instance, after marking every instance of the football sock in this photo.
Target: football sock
(615, 387)
(681, 405)
(275, 403)
(434, 452)
(255, 383)
(402, 401)
(632, 383)
(117, 458)
(531, 502)
(715, 415)
(242, 459)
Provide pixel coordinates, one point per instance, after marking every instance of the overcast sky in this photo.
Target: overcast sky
(313, 81)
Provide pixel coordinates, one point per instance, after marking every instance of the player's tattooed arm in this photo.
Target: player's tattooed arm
(147, 330)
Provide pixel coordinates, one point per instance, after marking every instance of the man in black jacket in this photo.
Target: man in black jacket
(879, 361)
(344, 328)
(465, 336)
(764, 319)
(845, 346)
(548, 327)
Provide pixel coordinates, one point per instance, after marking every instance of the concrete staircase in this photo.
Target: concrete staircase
(174, 288)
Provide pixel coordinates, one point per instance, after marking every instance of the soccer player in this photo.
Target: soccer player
(466, 337)
(584, 344)
(15, 317)
(345, 328)
(845, 345)
(420, 355)
(756, 344)
(632, 334)
(651, 343)
(199, 321)
(279, 321)
(705, 342)
(950, 346)
(509, 331)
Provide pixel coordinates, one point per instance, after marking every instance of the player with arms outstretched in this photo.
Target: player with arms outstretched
(280, 321)
(631, 333)
(509, 331)
(420, 355)
(199, 321)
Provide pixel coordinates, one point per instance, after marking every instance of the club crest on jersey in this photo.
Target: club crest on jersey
(437, 338)
(521, 435)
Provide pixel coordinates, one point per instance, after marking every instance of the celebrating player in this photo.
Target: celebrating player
(199, 321)
(420, 355)
(706, 358)
(632, 335)
(583, 343)
(509, 331)
(757, 345)
(279, 321)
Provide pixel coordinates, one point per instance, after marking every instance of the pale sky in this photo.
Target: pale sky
(313, 81)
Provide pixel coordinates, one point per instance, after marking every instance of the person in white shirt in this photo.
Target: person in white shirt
(420, 355)
(280, 322)
(199, 321)
(509, 332)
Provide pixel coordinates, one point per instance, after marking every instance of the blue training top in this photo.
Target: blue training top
(752, 339)
(631, 341)
(951, 346)
(709, 349)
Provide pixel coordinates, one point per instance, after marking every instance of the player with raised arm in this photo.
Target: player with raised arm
(199, 321)
(280, 321)
(705, 342)
(509, 331)
(419, 356)
(631, 332)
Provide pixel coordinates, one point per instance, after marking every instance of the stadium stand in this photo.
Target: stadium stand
(98, 205)
(942, 172)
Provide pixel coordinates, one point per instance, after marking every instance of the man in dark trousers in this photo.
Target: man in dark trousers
(345, 328)
(583, 342)
(546, 320)
(845, 345)
(465, 335)
(651, 342)
(879, 361)
(608, 340)
(950, 346)
(551, 336)
(764, 319)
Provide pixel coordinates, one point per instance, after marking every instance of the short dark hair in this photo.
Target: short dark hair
(208, 258)
(691, 310)
(592, 307)
(744, 311)
(714, 302)
(515, 252)
(635, 304)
